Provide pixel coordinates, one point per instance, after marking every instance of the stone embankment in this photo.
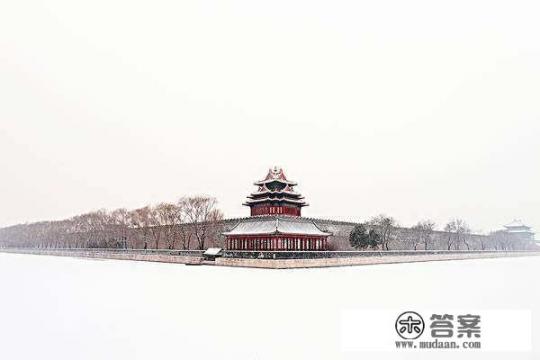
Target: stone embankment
(275, 260)
(371, 259)
(179, 257)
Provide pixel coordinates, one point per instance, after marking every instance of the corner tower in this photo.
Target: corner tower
(275, 223)
(275, 196)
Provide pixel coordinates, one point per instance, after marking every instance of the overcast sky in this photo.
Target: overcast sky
(416, 109)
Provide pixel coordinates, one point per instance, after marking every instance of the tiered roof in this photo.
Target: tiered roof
(275, 188)
(517, 226)
(274, 225)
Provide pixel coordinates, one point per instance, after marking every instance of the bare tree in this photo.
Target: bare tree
(424, 233)
(386, 227)
(155, 227)
(501, 240)
(484, 241)
(168, 216)
(457, 232)
(185, 234)
(408, 238)
(202, 215)
(141, 220)
(121, 219)
(90, 229)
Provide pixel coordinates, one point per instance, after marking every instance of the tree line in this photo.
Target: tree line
(189, 223)
(195, 222)
(384, 233)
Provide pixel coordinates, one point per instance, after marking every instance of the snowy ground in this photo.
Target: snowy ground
(67, 308)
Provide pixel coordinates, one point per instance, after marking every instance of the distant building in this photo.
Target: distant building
(520, 231)
(276, 223)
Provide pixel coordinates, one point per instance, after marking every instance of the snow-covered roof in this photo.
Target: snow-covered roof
(277, 225)
(277, 199)
(213, 251)
(516, 224)
(275, 174)
(265, 190)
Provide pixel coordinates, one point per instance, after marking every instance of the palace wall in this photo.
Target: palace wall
(403, 238)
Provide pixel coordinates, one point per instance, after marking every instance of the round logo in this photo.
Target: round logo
(410, 325)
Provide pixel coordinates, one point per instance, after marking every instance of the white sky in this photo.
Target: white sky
(416, 109)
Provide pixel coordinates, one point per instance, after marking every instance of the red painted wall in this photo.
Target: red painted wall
(275, 210)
